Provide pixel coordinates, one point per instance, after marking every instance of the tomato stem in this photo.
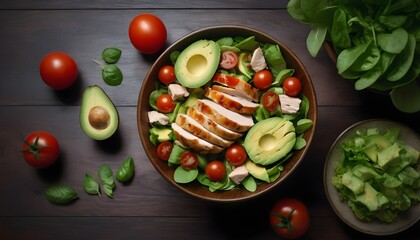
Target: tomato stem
(284, 220)
(34, 147)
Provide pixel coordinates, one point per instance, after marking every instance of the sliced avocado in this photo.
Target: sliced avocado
(389, 156)
(372, 152)
(244, 65)
(363, 172)
(257, 171)
(98, 115)
(197, 63)
(355, 184)
(369, 197)
(380, 140)
(269, 140)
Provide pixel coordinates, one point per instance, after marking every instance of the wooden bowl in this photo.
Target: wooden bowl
(194, 188)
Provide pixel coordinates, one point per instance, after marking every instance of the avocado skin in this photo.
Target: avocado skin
(96, 96)
(284, 138)
(197, 63)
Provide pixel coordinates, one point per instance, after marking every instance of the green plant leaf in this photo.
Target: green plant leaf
(315, 39)
(104, 172)
(394, 42)
(402, 61)
(126, 171)
(339, 30)
(90, 185)
(108, 190)
(347, 57)
(185, 176)
(111, 55)
(112, 75)
(249, 184)
(60, 194)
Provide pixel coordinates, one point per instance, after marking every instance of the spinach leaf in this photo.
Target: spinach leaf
(111, 55)
(295, 10)
(348, 56)
(315, 39)
(90, 185)
(394, 42)
(403, 61)
(182, 175)
(368, 59)
(249, 184)
(60, 194)
(126, 171)
(339, 30)
(368, 78)
(104, 172)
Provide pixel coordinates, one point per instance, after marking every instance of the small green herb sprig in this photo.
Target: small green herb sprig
(111, 73)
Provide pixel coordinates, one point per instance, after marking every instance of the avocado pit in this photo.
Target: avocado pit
(99, 118)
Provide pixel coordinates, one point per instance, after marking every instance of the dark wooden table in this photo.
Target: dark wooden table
(149, 207)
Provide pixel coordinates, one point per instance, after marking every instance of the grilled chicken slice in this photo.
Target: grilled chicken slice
(236, 104)
(225, 117)
(211, 125)
(247, 91)
(192, 126)
(197, 144)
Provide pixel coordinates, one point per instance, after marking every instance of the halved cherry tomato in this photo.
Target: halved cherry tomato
(188, 160)
(40, 149)
(235, 155)
(270, 101)
(165, 103)
(289, 218)
(167, 74)
(229, 60)
(164, 150)
(147, 33)
(58, 70)
(263, 79)
(215, 170)
(292, 86)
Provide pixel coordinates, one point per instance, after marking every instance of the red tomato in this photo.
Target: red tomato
(58, 70)
(270, 101)
(188, 160)
(263, 79)
(167, 74)
(229, 60)
(165, 103)
(215, 170)
(40, 149)
(164, 150)
(147, 33)
(289, 218)
(235, 154)
(292, 86)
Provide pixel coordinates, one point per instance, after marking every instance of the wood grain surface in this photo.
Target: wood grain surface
(149, 207)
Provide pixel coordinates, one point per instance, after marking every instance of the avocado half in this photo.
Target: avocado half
(197, 63)
(270, 140)
(98, 115)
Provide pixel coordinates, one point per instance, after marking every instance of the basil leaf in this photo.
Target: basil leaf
(126, 171)
(111, 55)
(108, 190)
(104, 172)
(90, 185)
(112, 75)
(60, 194)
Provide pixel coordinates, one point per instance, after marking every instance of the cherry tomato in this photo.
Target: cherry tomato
(167, 74)
(40, 149)
(165, 103)
(58, 70)
(164, 150)
(235, 154)
(292, 86)
(270, 101)
(229, 60)
(147, 33)
(289, 218)
(215, 170)
(188, 160)
(263, 79)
